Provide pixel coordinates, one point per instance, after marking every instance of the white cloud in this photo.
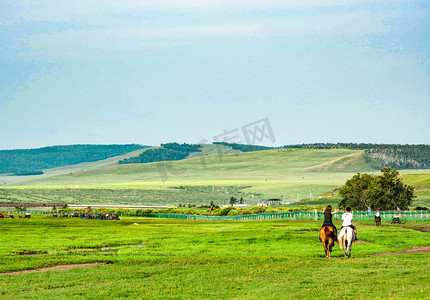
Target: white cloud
(98, 27)
(78, 41)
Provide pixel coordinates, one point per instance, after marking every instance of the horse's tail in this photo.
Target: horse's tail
(329, 234)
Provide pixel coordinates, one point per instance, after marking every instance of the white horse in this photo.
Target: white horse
(345, 240)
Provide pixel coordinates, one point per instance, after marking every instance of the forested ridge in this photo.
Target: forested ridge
(176, 151)
(166, 152)
(384, 155)
(29, 161)
(243, 147)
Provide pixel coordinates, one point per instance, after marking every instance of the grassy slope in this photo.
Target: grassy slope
(271, 173)
(272, 165)
(349, 163)
(422, 188)
(180, 259)
(110, 162)
(289, 174)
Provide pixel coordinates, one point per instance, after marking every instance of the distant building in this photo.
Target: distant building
(234, 205)
(269, 202)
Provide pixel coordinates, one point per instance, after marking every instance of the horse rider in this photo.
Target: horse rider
(328, 219)
(378, 218)
(347, 221)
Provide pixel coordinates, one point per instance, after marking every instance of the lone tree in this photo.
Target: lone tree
(233, 201)
(379, 192)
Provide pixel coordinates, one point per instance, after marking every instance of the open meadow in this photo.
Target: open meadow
(167, 258)
(49, 258)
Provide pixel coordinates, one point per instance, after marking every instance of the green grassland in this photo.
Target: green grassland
(421, 182)
(217, 175)
(177, 259)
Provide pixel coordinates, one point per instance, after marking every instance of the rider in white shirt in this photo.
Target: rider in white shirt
(347, 220)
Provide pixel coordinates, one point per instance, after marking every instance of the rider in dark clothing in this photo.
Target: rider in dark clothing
(328, 218)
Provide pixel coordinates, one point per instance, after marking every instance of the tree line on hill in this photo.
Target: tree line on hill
(166, 152)
(176, 151)
(27, 173)
(383, 155)
(243, 147)
(31, 161)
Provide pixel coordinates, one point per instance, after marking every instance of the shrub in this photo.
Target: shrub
(421, 208)
(224, 211)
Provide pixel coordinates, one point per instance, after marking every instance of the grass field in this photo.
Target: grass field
(161, 259)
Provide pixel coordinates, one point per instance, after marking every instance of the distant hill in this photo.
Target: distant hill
(217, 173)
(29, 161)
(383, 155)
(284, 165)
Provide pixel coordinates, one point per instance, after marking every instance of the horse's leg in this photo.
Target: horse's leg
(350, 245)
(327, 247)
(350, 240)
(346, 248)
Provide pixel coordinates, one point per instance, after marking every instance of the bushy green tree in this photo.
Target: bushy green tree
(21, 208)
(354, 191)
(233, 201)
(379, 192)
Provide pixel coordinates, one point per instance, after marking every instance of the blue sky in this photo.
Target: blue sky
(148, 72)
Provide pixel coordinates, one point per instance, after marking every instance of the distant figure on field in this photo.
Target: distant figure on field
(328, 219)
(378, 219)
(347, 221)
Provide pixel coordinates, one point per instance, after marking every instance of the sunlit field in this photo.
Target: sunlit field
(165, 258)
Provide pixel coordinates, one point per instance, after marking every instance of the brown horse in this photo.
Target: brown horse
(328, 237)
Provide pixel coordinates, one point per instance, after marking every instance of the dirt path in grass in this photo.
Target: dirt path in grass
(56, 268)
(425, 250)
(422, 249)
(420, 228)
